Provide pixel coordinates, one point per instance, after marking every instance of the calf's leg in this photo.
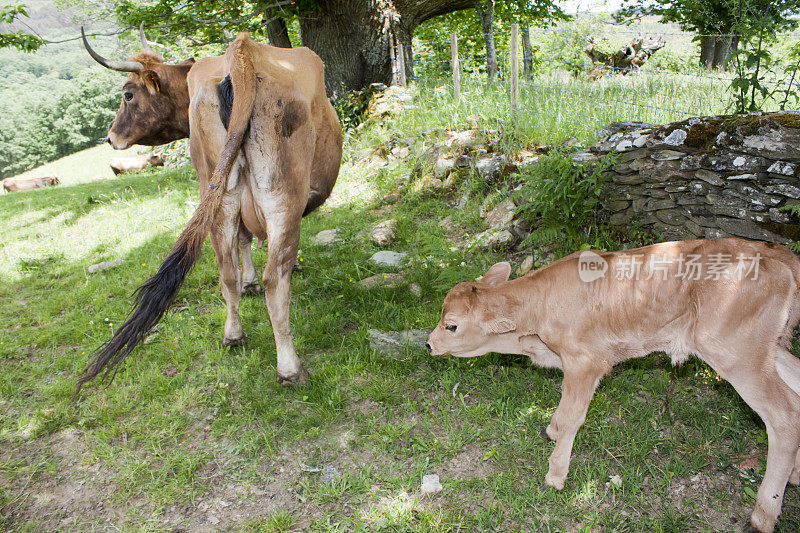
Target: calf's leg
(779, 407)
(577, 390)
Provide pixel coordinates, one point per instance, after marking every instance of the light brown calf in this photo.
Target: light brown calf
(26, 184)
(121, 165)
(733, 303)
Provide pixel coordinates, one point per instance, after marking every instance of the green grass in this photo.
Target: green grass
(221, 440)
(83, 166)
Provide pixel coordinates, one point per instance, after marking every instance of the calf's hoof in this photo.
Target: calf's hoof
(251, 288)
(233, 342)
(552, 481)
(761, 521)
(299, 379)
(545, 436)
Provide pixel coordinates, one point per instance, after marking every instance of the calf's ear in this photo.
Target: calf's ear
(497, 274)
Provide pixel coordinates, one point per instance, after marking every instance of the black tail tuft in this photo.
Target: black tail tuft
(153, 299)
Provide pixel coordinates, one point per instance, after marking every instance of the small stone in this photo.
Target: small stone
(330, 473)
(710, 177)
(668, 155)
(490, 167)
(525, 266)
(675, 138)
(105, 265)
(616, 480)
(392, 343)
(502, 215)
(388, 258)
(493, 239)
(327, 237)
(429, 183)
(213, 520)
(415, 289)
(783, 168)
(443, 167)
(430, 484)
(383, 233)
(388, 281)
(391, 198)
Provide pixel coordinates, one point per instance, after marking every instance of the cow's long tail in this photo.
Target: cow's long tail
(154, 297)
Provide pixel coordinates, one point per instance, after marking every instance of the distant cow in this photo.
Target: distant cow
(127, 164)
(26, 184)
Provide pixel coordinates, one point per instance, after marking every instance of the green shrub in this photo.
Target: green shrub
(560, 199)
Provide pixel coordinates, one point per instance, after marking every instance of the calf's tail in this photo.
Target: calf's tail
(153, 298)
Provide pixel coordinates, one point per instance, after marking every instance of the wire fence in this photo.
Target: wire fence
(434, 62)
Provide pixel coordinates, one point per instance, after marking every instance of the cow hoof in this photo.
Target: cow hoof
(300, 379)
(233, 342)
(551, 481)
(544, 434)
(251, 288)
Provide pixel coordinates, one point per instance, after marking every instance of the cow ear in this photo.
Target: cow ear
(497, 274)
(151, 80)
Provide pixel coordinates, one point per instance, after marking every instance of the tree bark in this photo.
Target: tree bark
(277, 32)
(486, 15)
(527, 53)
(707, 51)
(353, 37)
(725, 46)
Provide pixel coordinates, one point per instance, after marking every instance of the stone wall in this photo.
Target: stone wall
(706, 177)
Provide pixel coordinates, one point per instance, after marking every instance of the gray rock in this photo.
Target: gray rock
(430, 484)
(387, 280)
(415, 289)
(782, 167)
(783, 189)
(490, 167)
(105, 265)
(525, 266)
(708, 176)
(749, 230)
(383, 233)
(395, 342)
(388, 258)
(501, 216)
(493, 239)
(781, 217)
(675, 138)
(668, 155)
(330, 473)
(443, 167)
(327, 237)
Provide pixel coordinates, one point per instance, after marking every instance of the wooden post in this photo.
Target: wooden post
(456, 68)
(401, 62)
(514, 69)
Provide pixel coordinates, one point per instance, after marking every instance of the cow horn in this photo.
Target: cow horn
(122, 66)
(145, 44)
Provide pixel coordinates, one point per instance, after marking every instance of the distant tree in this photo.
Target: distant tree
(720, 22)
(17, 39)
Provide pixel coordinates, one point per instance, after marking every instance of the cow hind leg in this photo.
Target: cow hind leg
(225, 239)
(250, 282)
(283, 236)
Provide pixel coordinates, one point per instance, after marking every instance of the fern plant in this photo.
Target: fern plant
(559, 198)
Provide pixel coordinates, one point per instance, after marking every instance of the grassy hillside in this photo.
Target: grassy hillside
(193, 435)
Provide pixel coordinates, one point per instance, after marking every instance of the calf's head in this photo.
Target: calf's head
(155, 99)
(476, 317)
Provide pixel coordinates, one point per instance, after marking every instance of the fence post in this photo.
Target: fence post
(456, 68)
(401, 61)
(514, 69)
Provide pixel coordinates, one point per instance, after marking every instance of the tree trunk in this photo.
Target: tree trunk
(721, 51)
(527, 53)
(486, 15)
(707, 51)
(353, 37)
(277, 32)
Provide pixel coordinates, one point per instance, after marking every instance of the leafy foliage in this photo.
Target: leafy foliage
(559, 197)
(17, 39)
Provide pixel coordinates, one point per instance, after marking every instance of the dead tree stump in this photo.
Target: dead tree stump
(624, 61)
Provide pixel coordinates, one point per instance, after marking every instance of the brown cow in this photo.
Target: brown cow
(267, 146)
(26, 184)
(733, 303)
(121, 165)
